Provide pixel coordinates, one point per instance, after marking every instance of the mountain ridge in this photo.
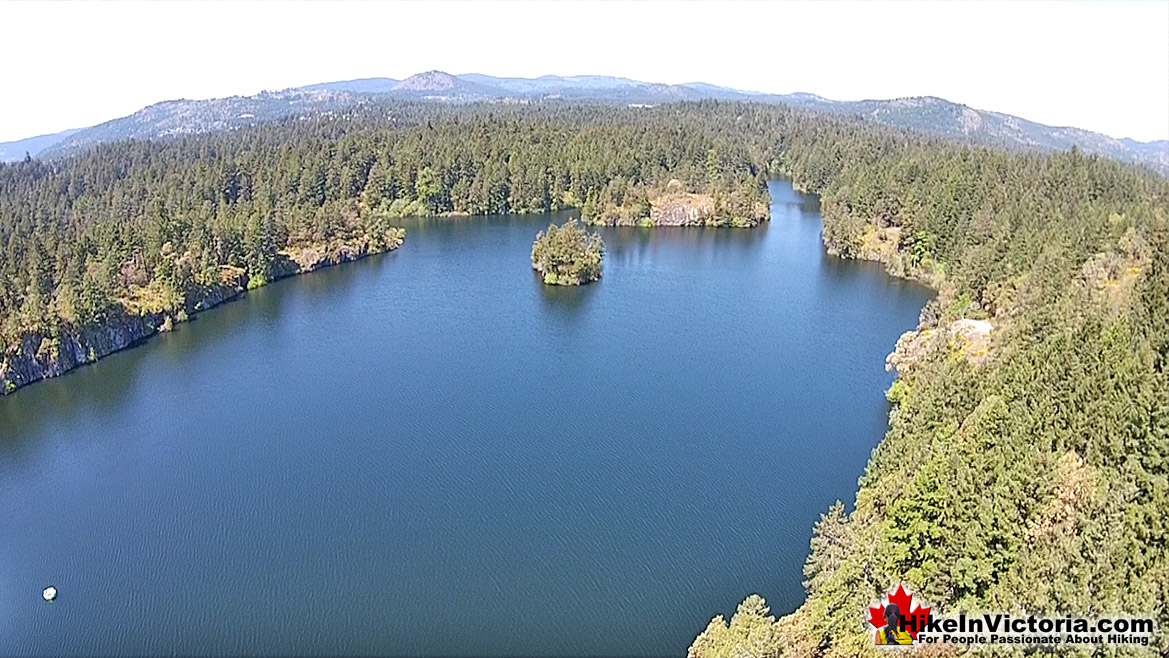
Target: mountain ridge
(923, 114)
(16, 150)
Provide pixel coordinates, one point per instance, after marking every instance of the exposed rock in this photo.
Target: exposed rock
(876, 239)
(26, 362)
(312, 257)
(974, 336)
(681, 209)
(37, 356)
(911, 347)
(969, 338)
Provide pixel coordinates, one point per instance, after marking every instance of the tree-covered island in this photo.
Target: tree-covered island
(568, 255)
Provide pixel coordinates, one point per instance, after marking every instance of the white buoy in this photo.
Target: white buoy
(50, 593)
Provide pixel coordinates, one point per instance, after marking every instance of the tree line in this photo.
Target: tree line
(1035, 476)
(140, 224)
(1032, 477)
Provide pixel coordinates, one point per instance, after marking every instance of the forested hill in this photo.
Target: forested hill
(154, 229)
(1026, 467)
(928, 115)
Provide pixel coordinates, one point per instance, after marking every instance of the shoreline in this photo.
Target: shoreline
(37, 357)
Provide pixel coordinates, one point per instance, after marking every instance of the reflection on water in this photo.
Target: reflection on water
(415, 453)
(101, 386)
(629, 245)
(567, 301)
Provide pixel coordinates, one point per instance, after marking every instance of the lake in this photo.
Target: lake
(428, 452)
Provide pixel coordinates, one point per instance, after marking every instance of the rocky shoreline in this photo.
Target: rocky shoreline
(38, 356)
(677, 208)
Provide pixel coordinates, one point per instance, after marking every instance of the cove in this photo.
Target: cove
(429, 452)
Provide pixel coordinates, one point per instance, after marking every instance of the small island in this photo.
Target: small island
(568, 255)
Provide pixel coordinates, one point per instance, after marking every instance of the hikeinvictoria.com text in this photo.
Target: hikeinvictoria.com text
(1001, 628)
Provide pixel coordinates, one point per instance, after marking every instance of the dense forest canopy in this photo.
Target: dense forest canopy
(138, 224)
(1023, 471)
(1027, 469)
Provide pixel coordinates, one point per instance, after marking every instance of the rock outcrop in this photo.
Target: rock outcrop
(969, 338)
(681, 209)
(38, 356)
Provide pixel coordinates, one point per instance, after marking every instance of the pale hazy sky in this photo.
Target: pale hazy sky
(1100, 66)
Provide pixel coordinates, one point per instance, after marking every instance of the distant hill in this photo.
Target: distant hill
(187, 117)
(926, 114)
(444, 86)
(552, 84)
(10, 151)
(361, 86)
(943, 118)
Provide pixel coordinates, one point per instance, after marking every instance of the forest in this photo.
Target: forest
(1027, 469)
(148, 226)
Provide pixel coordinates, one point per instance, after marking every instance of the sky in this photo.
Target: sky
(1101, 66)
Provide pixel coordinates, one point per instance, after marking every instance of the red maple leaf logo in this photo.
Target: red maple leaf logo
(902, 600)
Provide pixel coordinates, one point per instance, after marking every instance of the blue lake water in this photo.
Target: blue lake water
(429, 452)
